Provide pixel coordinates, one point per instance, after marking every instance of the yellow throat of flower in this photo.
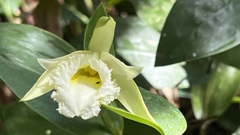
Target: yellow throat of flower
(87, 76)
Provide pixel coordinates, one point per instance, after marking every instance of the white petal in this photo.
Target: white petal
(82, 97)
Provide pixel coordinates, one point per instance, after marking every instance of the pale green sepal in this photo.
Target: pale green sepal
(134, 117)
(49, 64)
(103, 33)
(131, 98)
(119, 67)
(41, 87)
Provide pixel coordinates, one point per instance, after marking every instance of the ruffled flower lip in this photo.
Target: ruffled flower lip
(83, 83)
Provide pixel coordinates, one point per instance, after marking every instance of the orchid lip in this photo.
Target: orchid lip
(88, 76)
(83, 83)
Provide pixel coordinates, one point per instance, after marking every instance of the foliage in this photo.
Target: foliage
(176, 42)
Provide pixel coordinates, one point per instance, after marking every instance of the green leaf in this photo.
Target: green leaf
(20, 46)
(25, 121)
(135, 128)
(137, 43)
(113, 121)
(230, 57)
(212, 98)
(229, 120)
(169, 119)
(154, 12)
(198, 71)
(197, 29)
(134, 34)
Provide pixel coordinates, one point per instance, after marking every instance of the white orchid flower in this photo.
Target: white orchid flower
(84, 80)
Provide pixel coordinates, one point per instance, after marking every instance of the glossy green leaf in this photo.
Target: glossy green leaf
(113, 121)
(135, 128)
(212, 98)
(134, 117)
(154, 12)
(229, 120)
(169, 119)
(25, 121)
(198, 71)
(134, 34)
(137, 43)
(230, 57)
(20, 46)
(197, 29)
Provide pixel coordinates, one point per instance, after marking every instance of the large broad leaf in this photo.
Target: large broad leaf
(169, 120)
(112, 121)
(134, 128)
(154, 12)
(20, 46)
(199, 28)
(25, 121)
(229, 120)
(198, 71)
(212, 98)
(137, 43)
(230, 57)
